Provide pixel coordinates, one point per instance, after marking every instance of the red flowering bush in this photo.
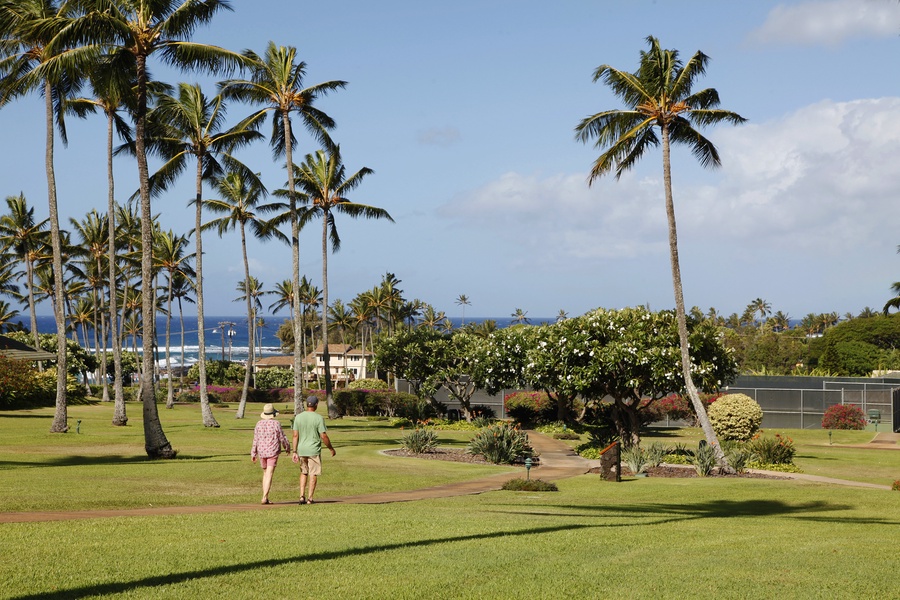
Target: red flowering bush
(844, 416)
(530, 408)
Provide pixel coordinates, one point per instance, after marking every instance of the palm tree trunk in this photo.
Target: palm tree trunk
(208, 419)
(679, 308)
(170, 390)
(60, 417)
(295, 260)
(249, 366)
(329, 399)
(119, 417)
(155, 442)
(29, 273)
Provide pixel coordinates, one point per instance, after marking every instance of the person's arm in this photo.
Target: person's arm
(327, 443)
(282, 439)
(296, 440)
(253, 448)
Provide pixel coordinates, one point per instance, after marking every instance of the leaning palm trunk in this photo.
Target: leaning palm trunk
(699, 409)
(155, 442)
(60, 417)
(170, 390)
(251, 319)
(208, 419)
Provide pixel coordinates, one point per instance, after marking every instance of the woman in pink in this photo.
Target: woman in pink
(268, 440)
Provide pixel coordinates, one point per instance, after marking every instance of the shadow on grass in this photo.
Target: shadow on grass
(90, 461)
(176, 578)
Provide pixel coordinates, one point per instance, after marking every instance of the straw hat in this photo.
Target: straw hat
(269, 412)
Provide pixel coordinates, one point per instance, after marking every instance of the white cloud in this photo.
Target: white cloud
(821, 182)
(829, 22)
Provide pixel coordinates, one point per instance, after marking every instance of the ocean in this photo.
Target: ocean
(219, 344)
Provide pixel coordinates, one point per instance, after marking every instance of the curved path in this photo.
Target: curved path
(558, 461)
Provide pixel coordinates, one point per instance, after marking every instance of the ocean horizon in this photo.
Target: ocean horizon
(228, 343)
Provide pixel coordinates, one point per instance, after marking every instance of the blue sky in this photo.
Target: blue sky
(466, 111)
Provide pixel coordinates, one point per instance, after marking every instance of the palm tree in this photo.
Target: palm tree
(29, 27)
(520, 317)
(238, 207)
(132, 31)
(284, 294)
(276, 82)
(189, 127)
(26, 239)
(463, 300)
(170, 255)
(431, 318)
(182, 287)
(324, 185)
(780, 321)
(7, 314)
(760, 307)
(659, 95)
(309, 297)
(562, 315)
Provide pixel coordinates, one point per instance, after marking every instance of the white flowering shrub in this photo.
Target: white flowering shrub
(735, 417)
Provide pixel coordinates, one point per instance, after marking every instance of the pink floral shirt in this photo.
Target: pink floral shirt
(268, 439)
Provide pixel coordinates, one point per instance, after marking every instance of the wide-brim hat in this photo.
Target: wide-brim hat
(269, 412)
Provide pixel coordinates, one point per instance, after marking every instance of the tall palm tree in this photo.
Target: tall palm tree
(659, 96)
(284, 294)
(463, 300)
(29, 27)
(310, 298)
(239, 208)
(431, 318)
(276, 83)
(324, 185)
(182, 288)
(189, 126)
(26, 239)
(760, 307)
(170, 256)
(520, 317)
(132, 31)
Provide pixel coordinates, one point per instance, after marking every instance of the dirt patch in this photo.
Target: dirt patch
(686, 472)
(450, 454)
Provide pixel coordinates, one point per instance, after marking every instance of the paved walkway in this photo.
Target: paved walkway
(558, 461)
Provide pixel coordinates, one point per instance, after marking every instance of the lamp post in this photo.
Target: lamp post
(528, 468)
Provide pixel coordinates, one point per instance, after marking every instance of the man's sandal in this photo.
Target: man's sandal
(303, 500)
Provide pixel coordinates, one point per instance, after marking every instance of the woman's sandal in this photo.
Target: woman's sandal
(266, 501)
(310, 501)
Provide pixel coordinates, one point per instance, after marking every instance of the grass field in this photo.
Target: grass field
(649, 538)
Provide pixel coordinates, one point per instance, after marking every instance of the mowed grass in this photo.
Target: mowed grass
(648, 538)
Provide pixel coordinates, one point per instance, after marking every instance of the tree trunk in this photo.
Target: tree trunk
(329, 397)
(170, 390)
(119, 416)
(296, 317)
(60, 417)
(679, 309)
(155, 442)
(206, 411)
(248, 369)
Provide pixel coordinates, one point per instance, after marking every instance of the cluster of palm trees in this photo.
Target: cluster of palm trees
(758, 313)
(60, 48)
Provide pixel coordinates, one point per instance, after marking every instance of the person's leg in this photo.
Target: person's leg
(302, 487)
(312, 487)
(267, 481)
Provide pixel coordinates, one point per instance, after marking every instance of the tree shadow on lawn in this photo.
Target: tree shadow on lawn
(112, 459)
(319, 557)
(712, 509)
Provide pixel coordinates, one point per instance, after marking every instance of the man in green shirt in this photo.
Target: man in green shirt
(309, 435)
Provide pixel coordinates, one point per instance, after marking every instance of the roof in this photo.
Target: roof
(10, 348)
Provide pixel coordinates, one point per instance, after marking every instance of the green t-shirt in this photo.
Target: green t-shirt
(311, 426)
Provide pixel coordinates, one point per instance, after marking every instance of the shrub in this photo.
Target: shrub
(530, 408)
(635, 459)
(598, 439)
(738, 458)
(772, 451)
(566, 435)
(480, 411)
(735, 417)
(500, 443)
(530, 485)
(844, 416)
(400, 422)
(220, 372)
(275, 378)
(19, 386)
(704, 459)
(369, 383)
(420, 440)
(655, 454)
(896, 485)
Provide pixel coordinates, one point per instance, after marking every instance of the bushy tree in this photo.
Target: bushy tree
(735, 417)
(844, 416)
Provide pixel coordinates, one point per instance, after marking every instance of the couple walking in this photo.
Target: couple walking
(309, 435)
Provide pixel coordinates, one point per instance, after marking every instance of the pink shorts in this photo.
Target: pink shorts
(265, 462)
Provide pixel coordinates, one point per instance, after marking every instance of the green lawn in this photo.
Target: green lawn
(649, 538)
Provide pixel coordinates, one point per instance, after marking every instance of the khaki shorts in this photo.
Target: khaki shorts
(311, 465)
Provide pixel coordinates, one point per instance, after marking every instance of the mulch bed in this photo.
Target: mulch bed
(685, 472)
(450, 454)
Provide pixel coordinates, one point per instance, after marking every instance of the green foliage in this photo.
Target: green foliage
(19, 385)
(78, 360)
(844, 416)
(735, 417)
(530, 408)
(500, 443)
(420, 440)
(369, 384)
(274, 378)
(635, 459)
(530, 485)
(704, 460)
(220, 372)
(401, 422)
(776, 450)
(566, 435)
(363, 402)
(655, 454)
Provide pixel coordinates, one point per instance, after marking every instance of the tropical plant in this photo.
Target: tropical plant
(500, 443)
(659, 95)
(324, 185)
(420, 440)
(844, 416)
(635, 459)
(777, 450)
(463, 301)
(704, 459)
(276, 83)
